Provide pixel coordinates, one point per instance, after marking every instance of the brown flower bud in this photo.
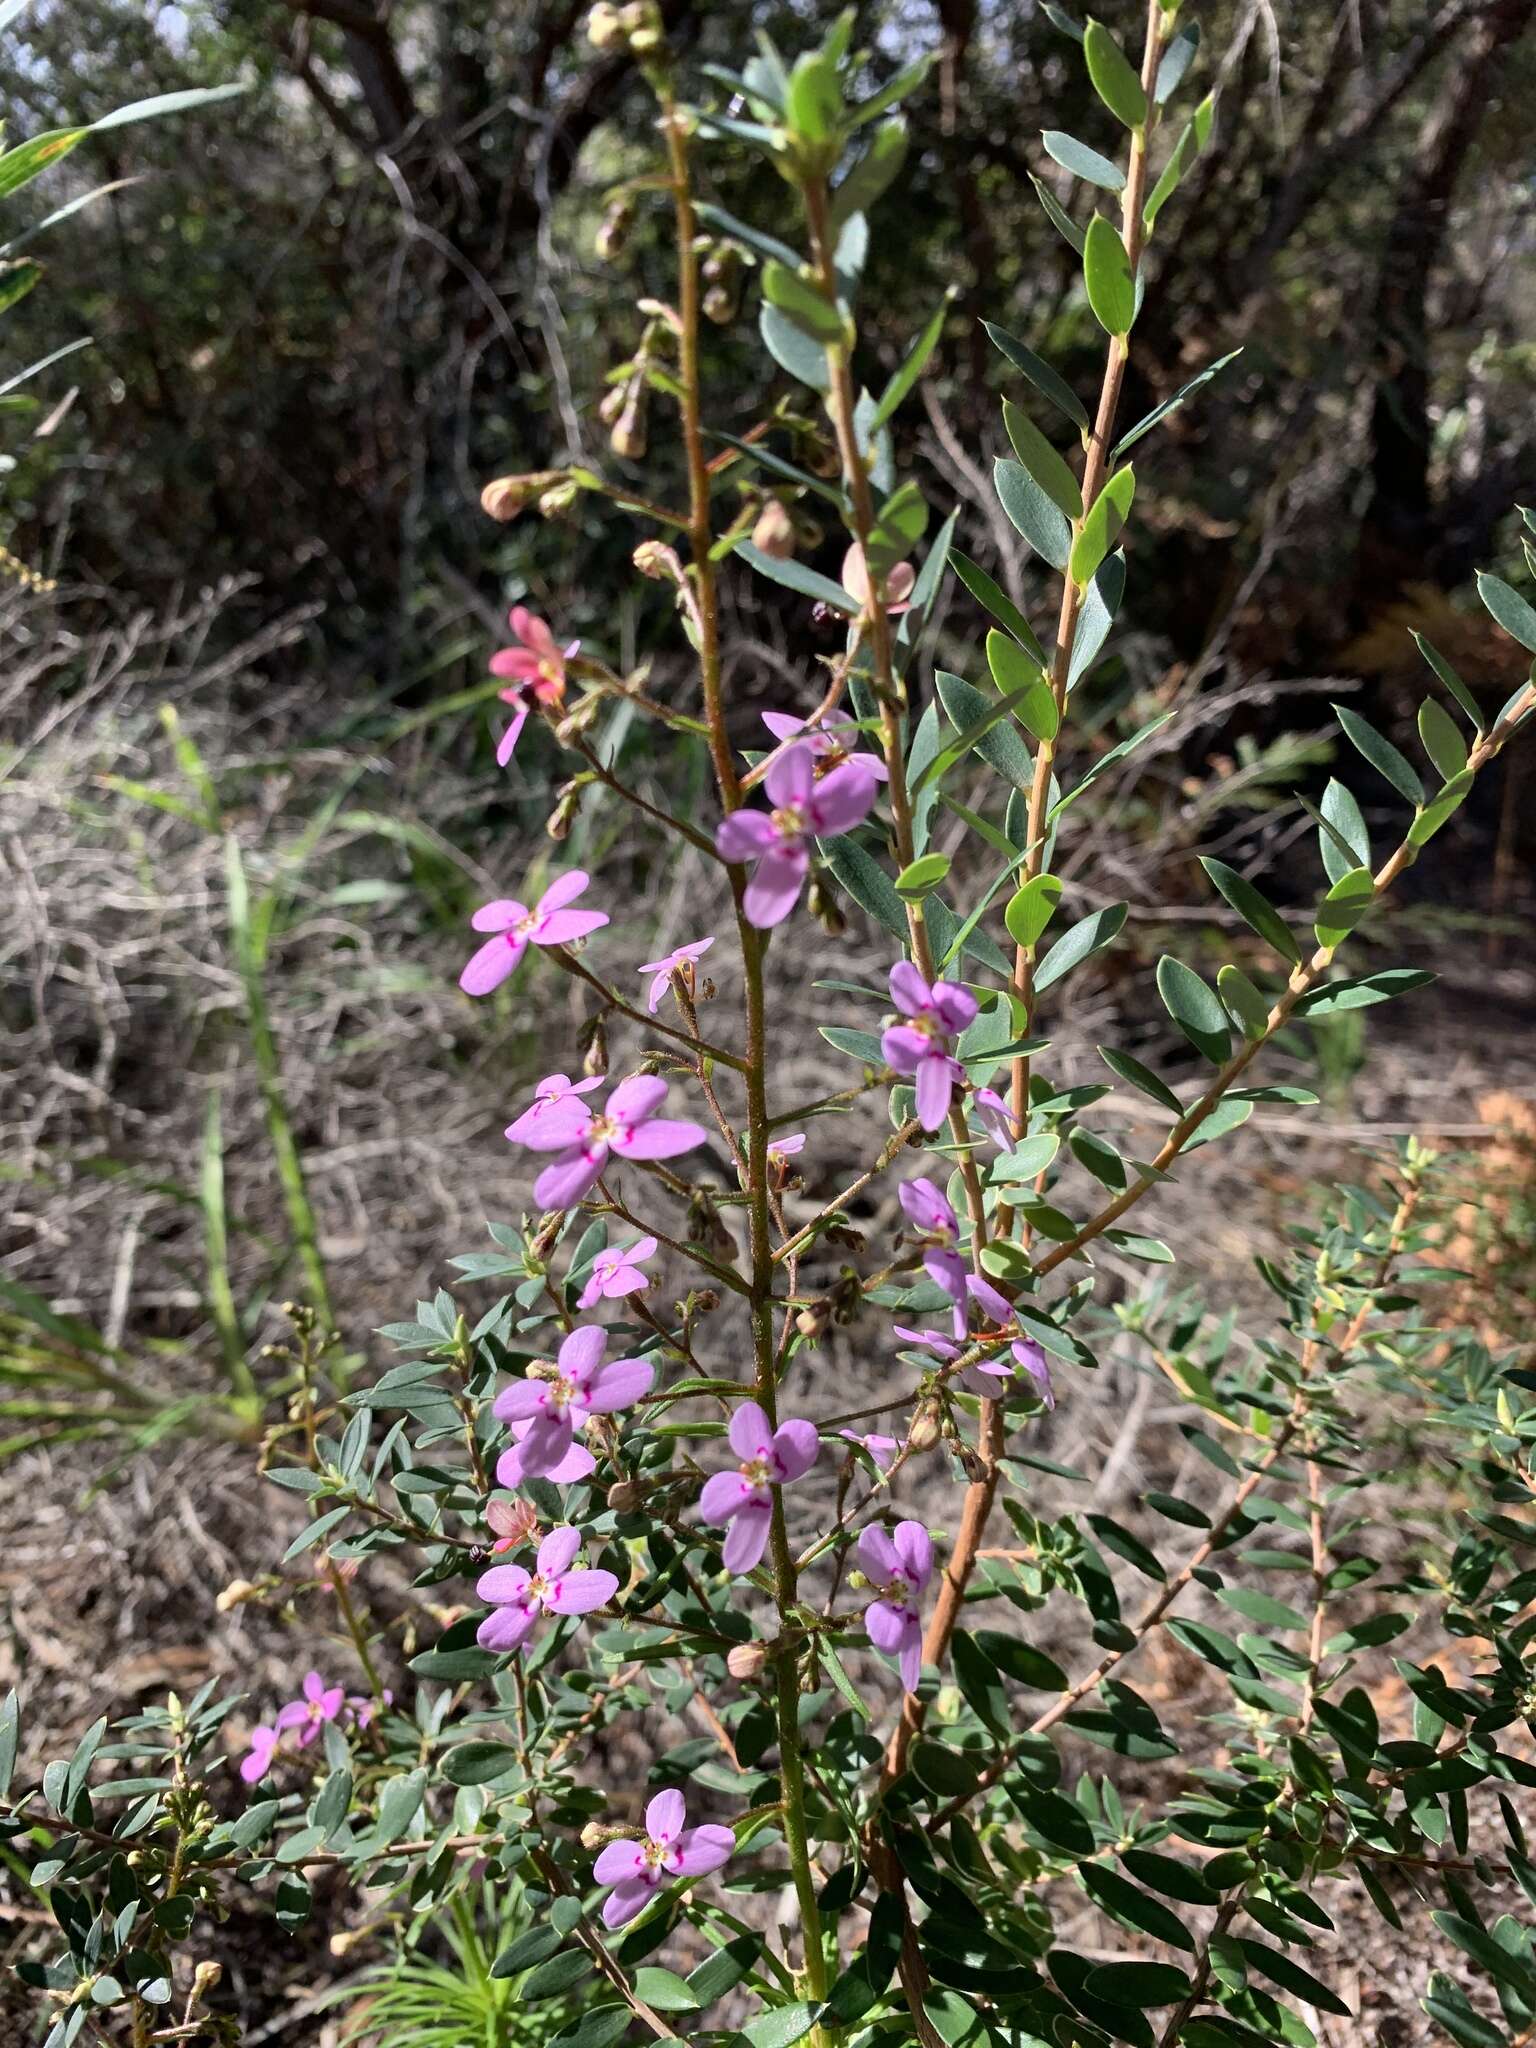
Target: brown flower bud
(611, 404)
(774, 532)
(235, 1594)
(746, 1660)
(624, 1496)
(616, 224)
(598, 1834)
(653, 558)
(813, 1319)
(628, 436)
(568, 801)
(205, 1978)
(559, 498)
(505, 496)
(594, 1059)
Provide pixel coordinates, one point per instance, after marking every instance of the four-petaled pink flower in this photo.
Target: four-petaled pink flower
(638, 1870)
(919, 1049)
(321, 1703)
(618, 1271)
(538, 665)
(778, 840)
(578, 1463)
(554, 1409)
(520, 1596)
(551, 1091)
(832, 743)
(899, 581)
(744, 1498)
(583, 1138)
(257, 1761)
(997, 1119)
(516, 928)
(930, 1215)
(662, 971)
(899, 1567)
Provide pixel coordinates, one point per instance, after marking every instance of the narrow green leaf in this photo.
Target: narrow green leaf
(1344, 906)
(1195, 1008)
(1138, 1076)
(1177, 59)
(792, 349)
(1042, 524)
(994, 600)
(1044, 462)
(904, 379)
(1021, 681)
(1059, 219)
(1040, 374)
(1083, 162)
(1247, 1005)
(1450, 678)
(1507, 607)
(1255, 909)
(1114, 80)
(922, 876)
(1442, 739)
(1108, 278)
(1161, 412)
(1381, 754)
(1101, 528)
(795, 576)
(1079, 942)
(1031, 908)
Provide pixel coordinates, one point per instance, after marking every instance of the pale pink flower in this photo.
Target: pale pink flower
(782, 1150)
(627, 1127)
(516, 928)
(662, 971)
(519, 1596)
(258, 1760)
(920, 1047)
(936, 1225)
(744, 1498)
(899, 1567)
(882, 1449)
(835, 741)
(553, 1090)
(320, 1703)
(515, 1522)
(998, 1120)
(617, 1272)
(899, 582)
(778, 841)
(538, 665)
(638, 1870)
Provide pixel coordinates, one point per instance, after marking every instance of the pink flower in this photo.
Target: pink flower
(517, 928)
(662, 971)
(919, 1049)
(618, 1271)
(578, 1463)
(582, 1138)
(931, 1216)
(778, 840)
(930, 1340)
(998, 1120)
(744, 1498)
(900, 1568)
(782, 1150)
(515, 1522)
(554, 1409)
(638, 1870)
(882, 1449)
(898, 581)
(551, 1091)
(363, 1710)
(833, 742)
(519, 1597)
(991, 1377)
(539, 667)
(257, 1761)
(321, 1703)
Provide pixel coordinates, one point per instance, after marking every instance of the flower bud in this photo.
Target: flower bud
(823, 906)
(559, 498)
(616, 225)
(924, 1433)
(605, 28)
(625, 1496)
(654, 559)
(746, 1660)
(774, 532)
(506, 496)
(568, 801)
(611, 404)
(235, 1594)
(813, 1319)
(205, 1978)
(722, 283)
(598, 1834)
(971, 1464)
(628, 435)
(594, 1059)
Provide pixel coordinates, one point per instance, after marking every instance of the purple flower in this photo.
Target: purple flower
(552, 1091)
(538, 666)
(899, 1567)
(920, 1048)
(321, 1703)
(583, 1138)
(256, 1763)
(882, 1449)
(554, 1409)
(516, 928)
(662, 971)
(930, 1340)
(519, 1597)
(833, 742)
(778, 840)
(638, 1870)
(744, 1498)
(998, 1120)
(934, 1221)
(618, 1271)
(578, 1463)
(782, 1150)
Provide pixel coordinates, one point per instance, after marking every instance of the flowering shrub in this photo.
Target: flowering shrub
(876, 1752)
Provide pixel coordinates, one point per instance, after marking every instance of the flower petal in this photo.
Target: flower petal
(745, 835)
(795, 1448)
(506, 1628)
(841, 799)
(664, 1817)
(935, 1086)
(569, 1178)
(775, 887)
(502, 1582)
(659, 1138)
(887, 1626)
(489, 965)
(702, 1849)
(521, 1401)
(618, 1861)
(914, 1546)
(724, 1494)
(580, 1592)
(747, 1538)
(637, 1098)
(790, 778)
(877, 1555)
(563, 889)
(506, 746)
(750, 1433)
(909, 991)
(561, 927)
(628, 1899)
(557, 1550)
(619, 1384)
(499, 916)
(581, 1353)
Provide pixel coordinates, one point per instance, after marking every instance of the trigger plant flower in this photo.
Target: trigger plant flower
(519, 1597)
(919, 1047)
(638, 1870)
(618, 1271)
(580, 1385)
(583, 1139)
(537, 665)
(516, 928)
(899, 1567)
(776, 842)
(320, 1703)
(680, 959)
(743, 1499)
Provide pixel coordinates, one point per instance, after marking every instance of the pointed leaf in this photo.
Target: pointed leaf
(1256, 911)
(1381, 754)
(1507, 606)
(996, 601)
(1042, 524)
(1083, 162)
(1114, 80)
(1039, 373)
(1044, 462)
(1195, 1008)
(1108, 278)
(1101, 528)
